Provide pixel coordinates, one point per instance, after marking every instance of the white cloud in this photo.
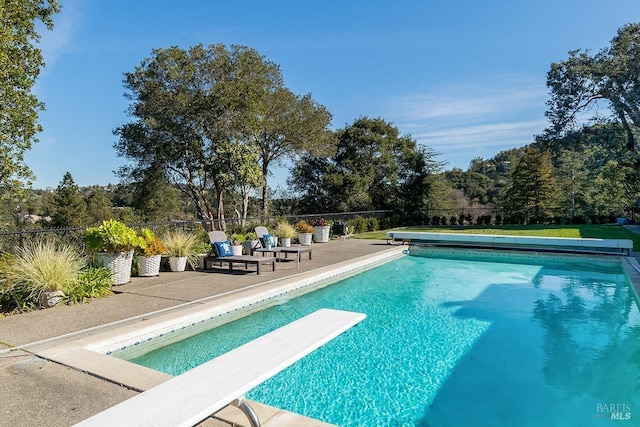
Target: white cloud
(491, 135)
(465, 121)
(54, 42)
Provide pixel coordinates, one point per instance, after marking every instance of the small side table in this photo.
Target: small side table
(298, 250)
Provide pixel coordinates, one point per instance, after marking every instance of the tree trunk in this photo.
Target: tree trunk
(265, 190)
(244, 192)
(221, 222)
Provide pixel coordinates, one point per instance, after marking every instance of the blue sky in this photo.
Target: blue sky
(464, 77)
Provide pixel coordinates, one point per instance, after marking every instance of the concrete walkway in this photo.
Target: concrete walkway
(34, 391)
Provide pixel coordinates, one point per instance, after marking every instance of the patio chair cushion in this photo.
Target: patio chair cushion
(266, 240)
(222, 249)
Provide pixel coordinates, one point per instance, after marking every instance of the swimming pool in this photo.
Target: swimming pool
(455, 340)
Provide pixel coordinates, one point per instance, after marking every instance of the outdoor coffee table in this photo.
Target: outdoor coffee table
(298, 250)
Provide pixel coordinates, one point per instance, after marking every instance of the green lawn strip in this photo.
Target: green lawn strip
(590, 230)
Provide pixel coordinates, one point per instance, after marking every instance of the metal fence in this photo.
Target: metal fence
(12, 239)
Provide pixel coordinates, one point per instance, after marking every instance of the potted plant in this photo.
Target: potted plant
(236, 240)
(285, 233)
(112, 244)
(181, 247)
(320, 229)
(250, 242)
(202, 250)
(149, 254)
(305, 232)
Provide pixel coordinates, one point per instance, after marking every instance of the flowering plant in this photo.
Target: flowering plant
(153, 245)
(318, 222)
(303, 227)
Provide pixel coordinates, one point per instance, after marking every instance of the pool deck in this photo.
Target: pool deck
(36, 391)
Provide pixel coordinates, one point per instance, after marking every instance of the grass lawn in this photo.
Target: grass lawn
(596, 231)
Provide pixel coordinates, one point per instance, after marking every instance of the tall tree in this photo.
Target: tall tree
(532, 194)
(572, 175)
(189, 109)
(71, 209)
(584, 81)
(374, 167)
(612, 190)
(20, 63)
(284, 125)
(154, 198)
(99, 207)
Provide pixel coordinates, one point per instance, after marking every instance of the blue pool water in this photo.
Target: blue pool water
(455, 342)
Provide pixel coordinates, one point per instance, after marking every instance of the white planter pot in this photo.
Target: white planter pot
(285, 242)
(321, 234)
(148, 265)
(177, 263)
(119, 263)
(236, 249)
(305, 238)
(249, 245)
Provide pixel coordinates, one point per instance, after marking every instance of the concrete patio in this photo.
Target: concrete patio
(36, 391)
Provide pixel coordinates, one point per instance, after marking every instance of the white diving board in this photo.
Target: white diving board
(192, 397)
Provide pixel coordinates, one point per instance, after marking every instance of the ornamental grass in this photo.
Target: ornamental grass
(44, 266)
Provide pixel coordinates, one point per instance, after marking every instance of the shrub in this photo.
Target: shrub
(385, 223)
(13, 296)
(373, 224)
(44, 266)
(358, 225)
(93, 282)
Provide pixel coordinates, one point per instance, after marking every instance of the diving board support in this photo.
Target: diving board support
(189, 398)
(248, 411)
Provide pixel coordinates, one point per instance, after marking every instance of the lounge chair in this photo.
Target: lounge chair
(261, 232)
(221, 252)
